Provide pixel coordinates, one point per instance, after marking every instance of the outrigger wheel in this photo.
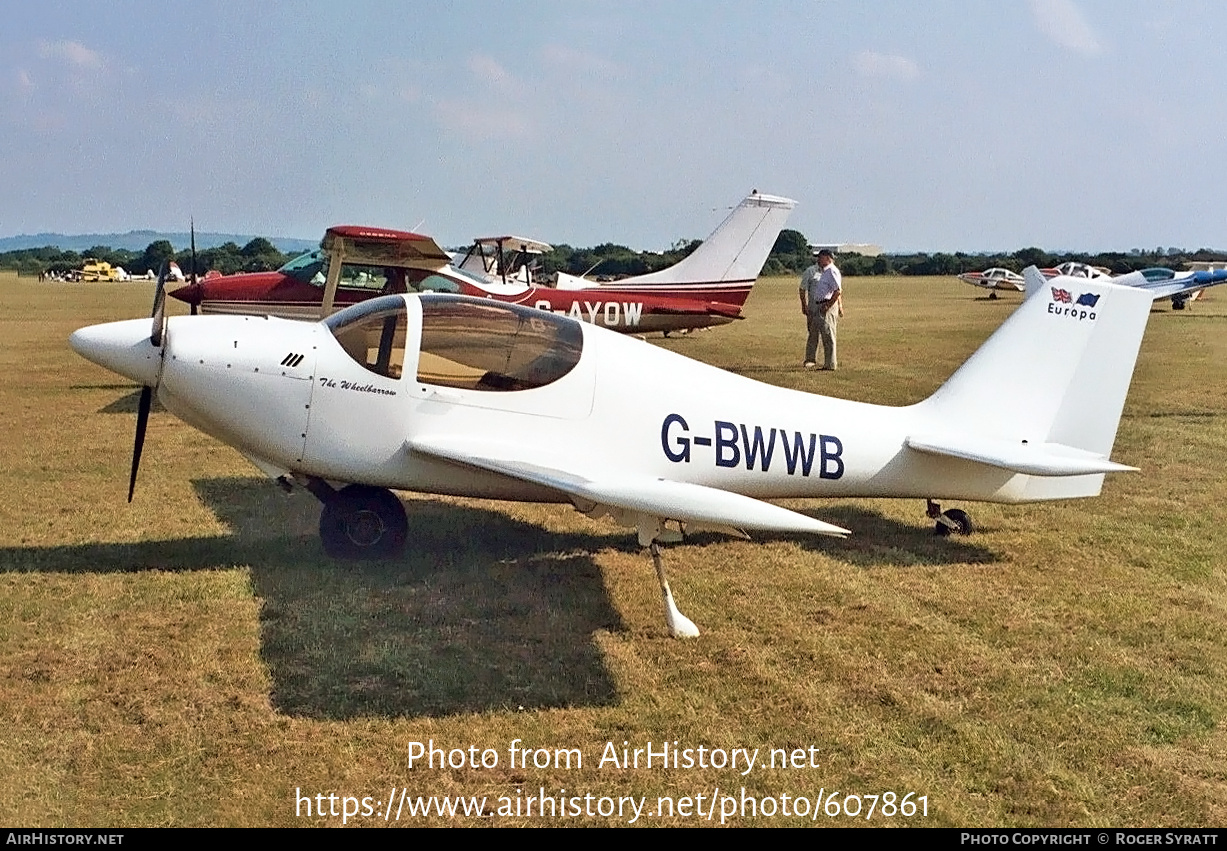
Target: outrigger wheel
(953, 520)
(361, 522)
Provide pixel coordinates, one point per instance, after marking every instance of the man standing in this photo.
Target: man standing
(821, 291)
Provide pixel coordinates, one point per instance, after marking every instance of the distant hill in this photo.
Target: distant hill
(138, 240)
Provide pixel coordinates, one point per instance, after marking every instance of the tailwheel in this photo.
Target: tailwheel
(953, 520)
(361, 522)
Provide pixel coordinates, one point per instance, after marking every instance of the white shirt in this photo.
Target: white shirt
(821, 285)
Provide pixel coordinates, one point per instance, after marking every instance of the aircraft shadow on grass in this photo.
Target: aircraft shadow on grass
(125, 404)
(483, 612)
(878, 541)
(128, 403)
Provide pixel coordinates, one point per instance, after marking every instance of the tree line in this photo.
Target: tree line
(790, 255)
(258, 255)
(616, 261)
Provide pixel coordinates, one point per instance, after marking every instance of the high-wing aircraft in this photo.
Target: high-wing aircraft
(706, 288)
(435, 393)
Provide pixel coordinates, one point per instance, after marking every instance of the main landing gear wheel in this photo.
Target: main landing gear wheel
(361, 522)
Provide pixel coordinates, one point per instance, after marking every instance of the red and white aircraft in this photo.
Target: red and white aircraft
(437, 393)
(996, 278)
(706, 288)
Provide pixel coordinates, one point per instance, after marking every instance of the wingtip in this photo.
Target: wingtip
(831, 529)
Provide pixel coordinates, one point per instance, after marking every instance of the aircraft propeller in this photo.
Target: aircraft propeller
(195, 288)
(157, 335)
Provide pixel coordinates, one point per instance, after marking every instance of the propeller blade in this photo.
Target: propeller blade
(142, 420)
(156, 335)
(193, 226)
(159, 306)
(195, 287)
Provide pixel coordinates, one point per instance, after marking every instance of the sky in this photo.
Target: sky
(1085, 125)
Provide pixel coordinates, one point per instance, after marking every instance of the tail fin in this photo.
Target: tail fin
(736, 250)
(1035, 281)
(1044, 394)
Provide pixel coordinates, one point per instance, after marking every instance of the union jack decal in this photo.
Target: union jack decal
(1060, 295)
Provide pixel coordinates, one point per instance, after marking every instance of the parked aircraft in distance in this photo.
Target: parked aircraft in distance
(998, 278)
(476, 397)
(1180, 287)
(994, 279)
(505, 260)
(706, 288)
(1074, 269)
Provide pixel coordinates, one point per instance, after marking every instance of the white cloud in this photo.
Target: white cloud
(1064, 23)
(484, 115)
(73, 52)
(488, 70)
(890, 66)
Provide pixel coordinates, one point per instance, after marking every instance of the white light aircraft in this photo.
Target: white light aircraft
(1180, 287)
(994, 279)
(453, 395)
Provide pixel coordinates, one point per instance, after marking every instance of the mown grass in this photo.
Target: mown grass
(193, 659)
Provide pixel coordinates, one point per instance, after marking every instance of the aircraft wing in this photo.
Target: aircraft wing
(649, 495)
(1183, 282)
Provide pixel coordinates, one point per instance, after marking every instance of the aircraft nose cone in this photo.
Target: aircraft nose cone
(192, 293)
(122, 347)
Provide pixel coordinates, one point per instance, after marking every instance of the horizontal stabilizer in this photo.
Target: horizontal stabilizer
(659, 497)
(1034, 459)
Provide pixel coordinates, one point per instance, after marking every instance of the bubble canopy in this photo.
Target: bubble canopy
(466, 343)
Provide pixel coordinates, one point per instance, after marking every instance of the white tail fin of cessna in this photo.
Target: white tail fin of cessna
(735, 252)
(1055, 414)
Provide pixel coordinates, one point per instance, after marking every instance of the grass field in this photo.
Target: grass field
(194, 659)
